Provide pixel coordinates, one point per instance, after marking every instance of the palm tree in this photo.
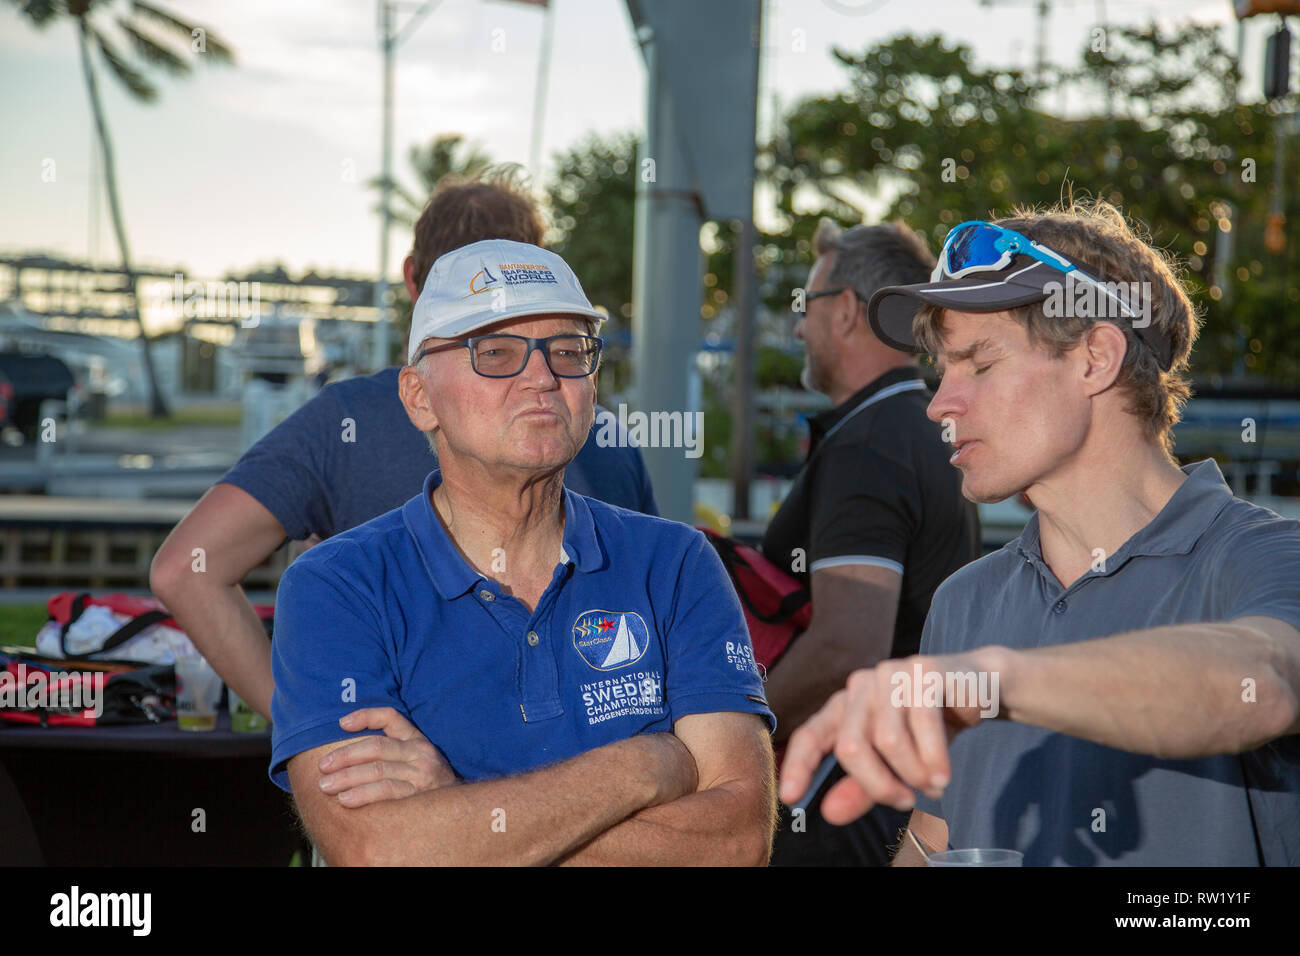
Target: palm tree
(158, 39)
(444, 155)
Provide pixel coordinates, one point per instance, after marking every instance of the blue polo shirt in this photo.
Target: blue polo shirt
(639, 627)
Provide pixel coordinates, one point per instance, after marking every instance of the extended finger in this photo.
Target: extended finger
(845, 802)
(373, 771)
(376, 792)
(931, 739)
(806, 748)
(361, 750)
(891, 736)
(386, 719)
(855, 747)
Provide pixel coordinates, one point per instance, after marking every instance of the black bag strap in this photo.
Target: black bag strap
(119, 637)
(790, 605)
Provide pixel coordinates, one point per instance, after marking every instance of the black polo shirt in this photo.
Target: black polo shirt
(877, 489)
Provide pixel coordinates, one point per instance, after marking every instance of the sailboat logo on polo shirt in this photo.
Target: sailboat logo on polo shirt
(610, 639)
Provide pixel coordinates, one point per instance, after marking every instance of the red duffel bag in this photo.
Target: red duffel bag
(777, 607)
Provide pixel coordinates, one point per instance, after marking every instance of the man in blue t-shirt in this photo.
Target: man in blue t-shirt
(346, 456)
(1120, 684)
(576, 679)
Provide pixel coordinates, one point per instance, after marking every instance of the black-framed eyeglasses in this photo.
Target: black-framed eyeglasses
(502, 355)
(809, 296)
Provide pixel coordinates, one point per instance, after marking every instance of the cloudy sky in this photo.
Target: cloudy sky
(267, 161)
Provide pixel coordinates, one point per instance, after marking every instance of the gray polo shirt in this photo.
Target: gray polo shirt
(1207, 556)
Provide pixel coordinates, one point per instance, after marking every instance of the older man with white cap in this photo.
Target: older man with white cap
(572, 682)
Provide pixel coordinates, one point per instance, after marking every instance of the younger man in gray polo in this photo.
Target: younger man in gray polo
(1207, 556)
(1139, 643)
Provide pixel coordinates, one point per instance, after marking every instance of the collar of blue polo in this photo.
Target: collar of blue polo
(449, 572)
(1175, 530)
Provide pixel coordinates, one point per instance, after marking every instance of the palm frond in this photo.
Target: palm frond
(130, 77)
(448, 153)
(398, 217)
(41, 12)
(404, 195)
(162, 17)
(402, 205)
(83, 8)
(213, 47)
(152, 52)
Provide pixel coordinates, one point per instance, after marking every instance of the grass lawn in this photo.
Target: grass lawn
(198, 415)
(20, 622)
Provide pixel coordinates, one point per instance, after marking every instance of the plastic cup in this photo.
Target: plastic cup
(198, 691)
(976, 858)
(243, 719)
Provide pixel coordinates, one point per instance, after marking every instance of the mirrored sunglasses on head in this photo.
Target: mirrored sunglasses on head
(976, 246)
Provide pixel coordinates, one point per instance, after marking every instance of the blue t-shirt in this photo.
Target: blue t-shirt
(1061, 800)
(639, 627)
(351, 454)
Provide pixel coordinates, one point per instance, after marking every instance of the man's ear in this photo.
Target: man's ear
(408, 276)
(1102, 350)
(846, 314)
(415, 399)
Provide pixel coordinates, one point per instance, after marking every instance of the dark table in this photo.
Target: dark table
(128, 796)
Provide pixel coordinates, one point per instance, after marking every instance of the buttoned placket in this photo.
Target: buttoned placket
(1140, 545)
(529, 635)
(1060, 597)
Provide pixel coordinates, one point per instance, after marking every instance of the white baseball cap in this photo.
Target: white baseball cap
(489, 281)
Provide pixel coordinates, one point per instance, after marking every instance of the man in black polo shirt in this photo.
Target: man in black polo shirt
(875, 520)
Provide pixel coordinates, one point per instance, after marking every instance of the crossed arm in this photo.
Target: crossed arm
(703, 794)
(728, 820)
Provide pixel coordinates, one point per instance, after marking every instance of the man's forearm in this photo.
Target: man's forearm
(1176, 692)
(529, 819)
(230, 532)
(221, 623)
(813, 669)
(724, 826)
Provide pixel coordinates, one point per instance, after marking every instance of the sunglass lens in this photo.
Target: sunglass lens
(975, 245)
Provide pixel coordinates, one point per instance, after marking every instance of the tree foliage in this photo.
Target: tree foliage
(444, 155)
(593, 200)
(942, 140)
